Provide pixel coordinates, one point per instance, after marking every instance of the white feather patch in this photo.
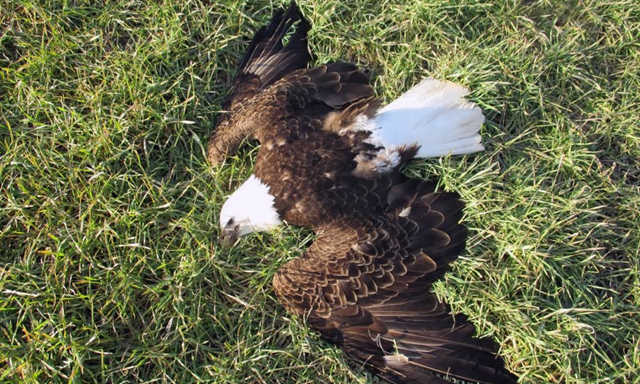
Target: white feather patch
(251, 207)
(433, 114)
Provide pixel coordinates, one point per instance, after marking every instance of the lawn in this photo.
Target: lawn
(110, 269)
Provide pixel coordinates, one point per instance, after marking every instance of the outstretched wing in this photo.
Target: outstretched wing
(311, 93)
(365, 284)
(267, 59)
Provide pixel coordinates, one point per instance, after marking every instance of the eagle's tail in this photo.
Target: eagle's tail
(434, 115)
(267, 57)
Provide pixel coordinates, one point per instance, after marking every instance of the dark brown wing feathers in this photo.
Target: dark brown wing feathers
(373, 297)
(266, 59)
(288, 109)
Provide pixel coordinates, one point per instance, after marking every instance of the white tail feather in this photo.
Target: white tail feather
(433, 114)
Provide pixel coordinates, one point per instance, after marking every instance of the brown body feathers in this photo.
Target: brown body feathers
(382, 239)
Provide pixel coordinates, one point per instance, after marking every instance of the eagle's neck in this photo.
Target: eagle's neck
(251, 119)
(228, 136)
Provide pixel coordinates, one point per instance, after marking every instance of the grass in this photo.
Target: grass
(110, 270)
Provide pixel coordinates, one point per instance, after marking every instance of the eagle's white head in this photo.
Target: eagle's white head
(249, 209)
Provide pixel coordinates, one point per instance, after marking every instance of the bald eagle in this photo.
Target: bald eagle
(330, 160)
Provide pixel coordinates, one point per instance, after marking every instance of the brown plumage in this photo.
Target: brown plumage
(266, 61)
(365, 285)
(382, 239)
